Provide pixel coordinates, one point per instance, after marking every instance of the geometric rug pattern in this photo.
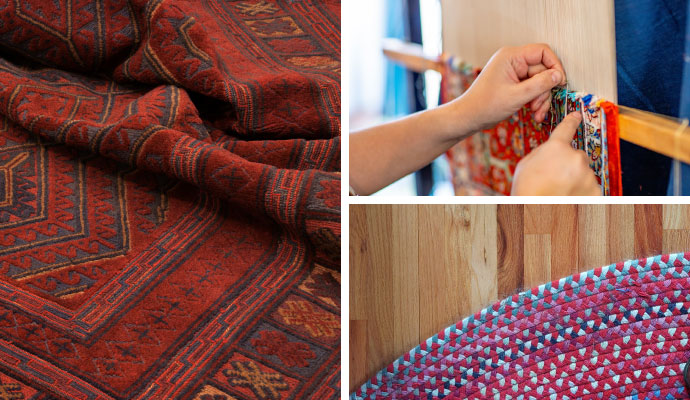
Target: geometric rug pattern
(169, 200)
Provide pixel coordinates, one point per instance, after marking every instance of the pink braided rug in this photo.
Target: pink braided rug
(616, 332)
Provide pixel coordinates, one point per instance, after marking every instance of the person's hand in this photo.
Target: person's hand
(555, 168)
(513, 77)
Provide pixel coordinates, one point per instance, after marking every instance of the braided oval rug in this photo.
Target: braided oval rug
(616, 332)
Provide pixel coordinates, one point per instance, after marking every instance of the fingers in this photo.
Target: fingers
(533, 87)
(539, 101)
(541, 112)
(565, 131)
(583, 175)
(540, 53)
(590, 187)
(535, 69)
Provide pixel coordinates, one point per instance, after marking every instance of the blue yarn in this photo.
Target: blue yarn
(587, 99)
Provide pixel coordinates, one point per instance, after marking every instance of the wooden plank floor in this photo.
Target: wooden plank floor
(416, 269)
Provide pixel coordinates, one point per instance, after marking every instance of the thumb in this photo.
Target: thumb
(531, 88)
(565, 131)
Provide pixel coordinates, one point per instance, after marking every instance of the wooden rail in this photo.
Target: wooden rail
(655, 132)
(410, 55)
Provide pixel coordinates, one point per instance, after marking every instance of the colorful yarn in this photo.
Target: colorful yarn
(591, 134)
(616, 332)
(613, 138)
(485, 162)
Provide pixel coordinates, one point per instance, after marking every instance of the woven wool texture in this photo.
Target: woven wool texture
(616, 332)
(485, 163)
(169, 199)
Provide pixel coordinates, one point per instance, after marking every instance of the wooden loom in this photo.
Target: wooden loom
(585, 44)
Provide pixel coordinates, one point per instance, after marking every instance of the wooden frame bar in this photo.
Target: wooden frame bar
(410, 55)
(655, 132)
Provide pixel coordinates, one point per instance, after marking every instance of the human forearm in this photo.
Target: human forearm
(383, 154)
(512, 78)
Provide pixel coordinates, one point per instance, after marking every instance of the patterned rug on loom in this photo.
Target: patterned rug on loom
(169, 199)
(485, 163)
(616, 332)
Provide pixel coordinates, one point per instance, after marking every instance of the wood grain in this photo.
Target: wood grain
(510, 248)
(539, 218)
(379, 321)
(359, 256)
(620, 231)
(416, 269)
(648, 229)
(358, 354)
(580, 32)
(457, 251)
(676, 216)
(676, 240)
(564, 241)
(432, 262)
(591, 236)
(537, 259)
(405, 257)
(482, 272)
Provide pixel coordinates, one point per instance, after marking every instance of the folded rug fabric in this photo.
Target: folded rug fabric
(169, 199)
(617, 332)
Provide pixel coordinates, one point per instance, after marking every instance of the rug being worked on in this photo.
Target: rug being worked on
(617, 332)
(169, 199)
(485, 162)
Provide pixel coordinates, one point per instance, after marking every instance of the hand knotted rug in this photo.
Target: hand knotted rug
(616, 332)
(169, 199)
(484, 163)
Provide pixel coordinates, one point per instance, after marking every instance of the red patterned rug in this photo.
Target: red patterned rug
(169, 199)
